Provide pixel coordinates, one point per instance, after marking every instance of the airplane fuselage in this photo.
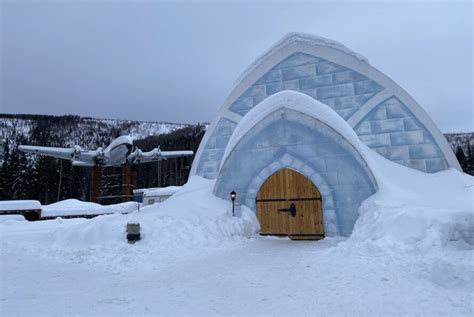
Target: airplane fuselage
(116, 152)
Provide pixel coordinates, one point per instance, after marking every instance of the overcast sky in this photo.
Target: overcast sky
(177, 61)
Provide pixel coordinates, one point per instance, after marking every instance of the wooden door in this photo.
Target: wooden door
(289, 204)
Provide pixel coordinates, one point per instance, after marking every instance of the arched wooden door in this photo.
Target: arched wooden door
(289, 204)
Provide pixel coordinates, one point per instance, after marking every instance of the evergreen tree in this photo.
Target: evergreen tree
(47, 180)
(470, 160)
(14, 173)
(24, 179)
(461, 158)
(5, 172)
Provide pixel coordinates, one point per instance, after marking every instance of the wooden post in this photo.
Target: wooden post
(158, 172)
(60, 179)
(133, 179)
(176, 171)
(96, 173)
(126, 182)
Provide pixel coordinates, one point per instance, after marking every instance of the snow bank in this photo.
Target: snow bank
(193, 216)
(413, 210)
(74, 207)
(72, 203)
(19, 205)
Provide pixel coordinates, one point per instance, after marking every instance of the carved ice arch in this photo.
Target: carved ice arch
(337, 53)
(292, 130)
(290, 161)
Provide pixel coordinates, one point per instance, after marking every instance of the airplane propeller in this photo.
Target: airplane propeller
(156, 154)
(99, 158)
(135, 156)
(77, 152)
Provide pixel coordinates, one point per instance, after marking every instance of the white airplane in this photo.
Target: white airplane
(120, 151)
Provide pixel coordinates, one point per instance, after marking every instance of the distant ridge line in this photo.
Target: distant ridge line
(28, 116)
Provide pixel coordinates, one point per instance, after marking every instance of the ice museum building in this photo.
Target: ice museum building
(279, 140)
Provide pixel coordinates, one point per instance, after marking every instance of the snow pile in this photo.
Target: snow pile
(72, 203)
(416, 211)
(193, 216)
(8, 205)
(74, 207)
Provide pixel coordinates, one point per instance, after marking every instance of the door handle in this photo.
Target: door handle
(291, 210)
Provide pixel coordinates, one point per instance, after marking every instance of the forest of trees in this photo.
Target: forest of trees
(466, 160)
(463, 146)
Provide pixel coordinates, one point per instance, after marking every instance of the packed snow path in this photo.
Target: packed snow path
(256, 276)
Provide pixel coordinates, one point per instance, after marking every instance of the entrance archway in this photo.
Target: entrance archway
(289, 204)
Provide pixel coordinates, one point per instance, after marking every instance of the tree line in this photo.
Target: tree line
(466, 160)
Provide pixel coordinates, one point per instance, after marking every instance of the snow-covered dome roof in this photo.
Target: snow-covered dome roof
(296, 38)
(293, 100)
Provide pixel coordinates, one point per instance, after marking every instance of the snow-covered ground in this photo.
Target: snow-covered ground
(411, 252)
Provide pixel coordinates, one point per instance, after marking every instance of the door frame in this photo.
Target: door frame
(295, 236)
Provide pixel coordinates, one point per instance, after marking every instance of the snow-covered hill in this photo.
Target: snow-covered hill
(67, 130)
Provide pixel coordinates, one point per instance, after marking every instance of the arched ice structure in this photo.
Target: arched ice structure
(378, 111)
(294, 131)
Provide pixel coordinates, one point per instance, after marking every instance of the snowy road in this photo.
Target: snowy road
(258, 276)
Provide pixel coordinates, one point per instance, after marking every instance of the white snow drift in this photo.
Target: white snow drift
(191, 217)
(413, 209)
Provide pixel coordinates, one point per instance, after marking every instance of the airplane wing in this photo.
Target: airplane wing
(72, 154)
(154, 155)
(58, 152)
